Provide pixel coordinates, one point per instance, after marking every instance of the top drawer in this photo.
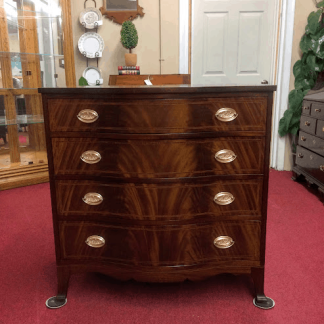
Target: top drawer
(158, 116)
(317, 110)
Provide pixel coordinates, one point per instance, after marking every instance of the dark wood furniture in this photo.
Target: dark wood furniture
(159, 184)
(310, 148)
(121, 10)
(161, 79)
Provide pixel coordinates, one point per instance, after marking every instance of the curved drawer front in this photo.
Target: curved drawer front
(158, 159)
(168, 245)
(158, 116)
(152, 202)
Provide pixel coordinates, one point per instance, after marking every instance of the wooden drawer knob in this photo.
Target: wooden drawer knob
(95, 241)
(88, 116)
(92, 198)
(224, 198)
(90, 157)
(225, 156)
(226, 114)
(223, 242)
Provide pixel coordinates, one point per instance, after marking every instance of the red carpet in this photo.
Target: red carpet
(294, 271)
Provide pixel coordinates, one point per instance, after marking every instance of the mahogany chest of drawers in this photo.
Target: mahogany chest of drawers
(159, 184)
(310, 148)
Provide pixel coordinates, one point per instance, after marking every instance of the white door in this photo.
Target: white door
(232, 41)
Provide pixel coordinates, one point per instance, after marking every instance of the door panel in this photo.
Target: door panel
(232, 41)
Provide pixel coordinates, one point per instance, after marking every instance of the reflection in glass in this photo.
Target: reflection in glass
(41, 20)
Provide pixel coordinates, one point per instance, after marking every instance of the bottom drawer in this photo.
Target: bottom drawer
(313, 163)
(159, 246)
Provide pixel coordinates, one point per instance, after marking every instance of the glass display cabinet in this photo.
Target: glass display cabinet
(32, 56)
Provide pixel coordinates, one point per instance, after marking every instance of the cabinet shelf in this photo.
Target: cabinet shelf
(22, 119)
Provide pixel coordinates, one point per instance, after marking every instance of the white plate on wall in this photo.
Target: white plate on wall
(92, 75)
(91, 45)
(89, 17)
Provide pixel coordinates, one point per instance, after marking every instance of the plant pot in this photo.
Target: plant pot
(130, 59)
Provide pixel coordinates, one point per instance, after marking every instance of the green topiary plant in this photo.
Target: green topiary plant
(305, 70)
(129, 37)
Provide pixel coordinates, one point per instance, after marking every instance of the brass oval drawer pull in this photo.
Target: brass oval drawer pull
(223, 242)
(88, 116)
(92, 198)
(225, 156)
(224, 198)
(307, 123)
(322, 168)
(303, 138)
(318, 110)
(95, 241)
(226, 114)
(91, 157)
(300, 155)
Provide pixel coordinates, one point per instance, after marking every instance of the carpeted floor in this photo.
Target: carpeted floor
(294, 271)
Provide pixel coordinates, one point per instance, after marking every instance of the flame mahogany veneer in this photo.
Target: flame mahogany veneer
(154, 217)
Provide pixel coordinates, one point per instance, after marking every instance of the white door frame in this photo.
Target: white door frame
(281, 67)
(183, 36)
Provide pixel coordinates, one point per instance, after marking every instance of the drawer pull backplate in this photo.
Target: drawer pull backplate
(225, 156)
(91, 157)
(224, 198)
(92, 198)
(322, 168)
(226, 114)
(318, 110)
(303, 138)
(88, 116)
(307, 123)
(223, 242)
(95, 241)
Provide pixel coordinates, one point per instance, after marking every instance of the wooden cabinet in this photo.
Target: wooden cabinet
(31, 56)
(310, 148)
(159, 184)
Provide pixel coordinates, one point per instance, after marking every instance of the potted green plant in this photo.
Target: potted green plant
(129, 40)
(306, 70)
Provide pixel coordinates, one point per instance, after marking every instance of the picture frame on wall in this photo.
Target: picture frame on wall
(121, 10)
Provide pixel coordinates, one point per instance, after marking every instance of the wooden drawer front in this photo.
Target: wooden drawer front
(312, 162)
(158, 116)
(306, 107)
(150, 159)
(311, 142)
(160, 202)
(308, 124)
(317, 110)
(168, 245)
(320, 128)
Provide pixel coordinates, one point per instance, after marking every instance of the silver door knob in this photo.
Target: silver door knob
(264, 82)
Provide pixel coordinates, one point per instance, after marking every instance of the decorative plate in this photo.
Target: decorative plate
(91, 45)
(90, 18)
(92, 75)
